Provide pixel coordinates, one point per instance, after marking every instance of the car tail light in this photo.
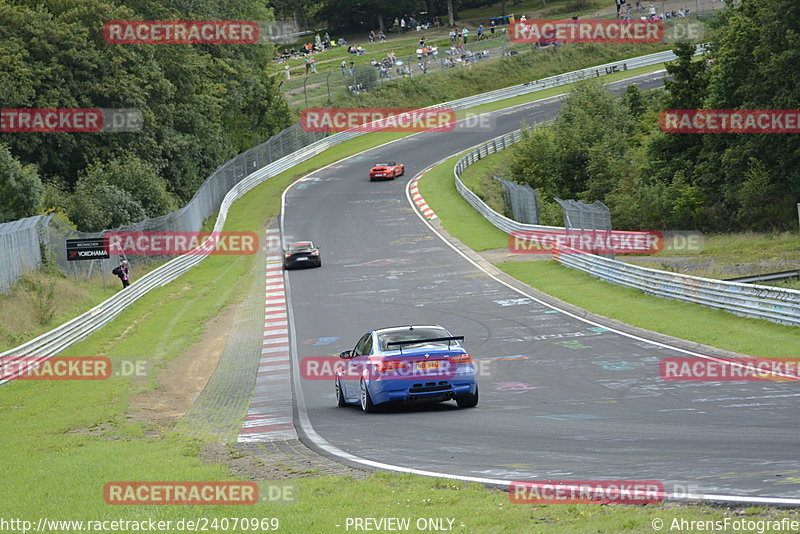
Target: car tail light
(461, 359)
(389, 366)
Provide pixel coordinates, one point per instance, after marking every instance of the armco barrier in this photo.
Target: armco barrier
(497, 219)
(80, 327)
(774, 304)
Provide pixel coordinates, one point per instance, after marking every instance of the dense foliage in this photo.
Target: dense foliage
(202, 104)
(608, 149)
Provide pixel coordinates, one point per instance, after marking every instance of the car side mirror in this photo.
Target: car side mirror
(346, 354)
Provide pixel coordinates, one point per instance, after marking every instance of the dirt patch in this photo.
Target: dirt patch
(500, 255)
(276, 460)
(183, 378)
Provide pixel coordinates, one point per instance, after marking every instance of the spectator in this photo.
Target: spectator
(326, 40)
(371, 36)
(381, 36)
(123, 273)
(344, 67)
(480, 32)
(422, 41)
(318, 41)
(452, 36)
(286, 70)
(466, 35)
(313, 63)
(308, 64)
(652, 11)
(403, 25)
(492, 24)
(396, 25)
(341, 41)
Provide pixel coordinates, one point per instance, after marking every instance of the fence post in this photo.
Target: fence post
(328, 83)
(305, 91)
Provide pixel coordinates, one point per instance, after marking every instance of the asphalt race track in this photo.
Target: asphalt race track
(560, 398)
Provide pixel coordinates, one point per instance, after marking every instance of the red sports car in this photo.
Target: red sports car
(386, 171)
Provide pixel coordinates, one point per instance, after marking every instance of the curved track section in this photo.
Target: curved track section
(561, 398)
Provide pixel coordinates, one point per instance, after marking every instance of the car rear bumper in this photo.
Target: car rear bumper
(409, 391)
(311, 262)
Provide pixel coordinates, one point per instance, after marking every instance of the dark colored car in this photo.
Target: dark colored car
(386, 171)
(301, 253)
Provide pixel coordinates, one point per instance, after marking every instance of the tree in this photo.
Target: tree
(94, 208)
(138, 179)
(202, 104)
(20, 188)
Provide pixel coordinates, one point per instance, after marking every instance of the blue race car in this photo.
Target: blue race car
(406, 364)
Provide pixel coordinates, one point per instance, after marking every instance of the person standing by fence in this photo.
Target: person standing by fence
(123, 272)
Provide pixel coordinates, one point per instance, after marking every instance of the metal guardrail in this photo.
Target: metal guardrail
(762, 302)
(497, 219)
(80, 327)
(768, 277)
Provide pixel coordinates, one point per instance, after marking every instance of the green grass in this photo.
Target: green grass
(44, 299)
(491, 74)
(479, 178)
(457, 216)
(747, 246)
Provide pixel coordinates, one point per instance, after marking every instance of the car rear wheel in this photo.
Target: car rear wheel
(468, 400)
(340, 402)
(366, 401)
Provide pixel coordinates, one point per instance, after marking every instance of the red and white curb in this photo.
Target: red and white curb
(418, 200)
(270, 415)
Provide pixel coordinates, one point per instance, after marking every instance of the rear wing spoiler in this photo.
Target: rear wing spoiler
(428, 340)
